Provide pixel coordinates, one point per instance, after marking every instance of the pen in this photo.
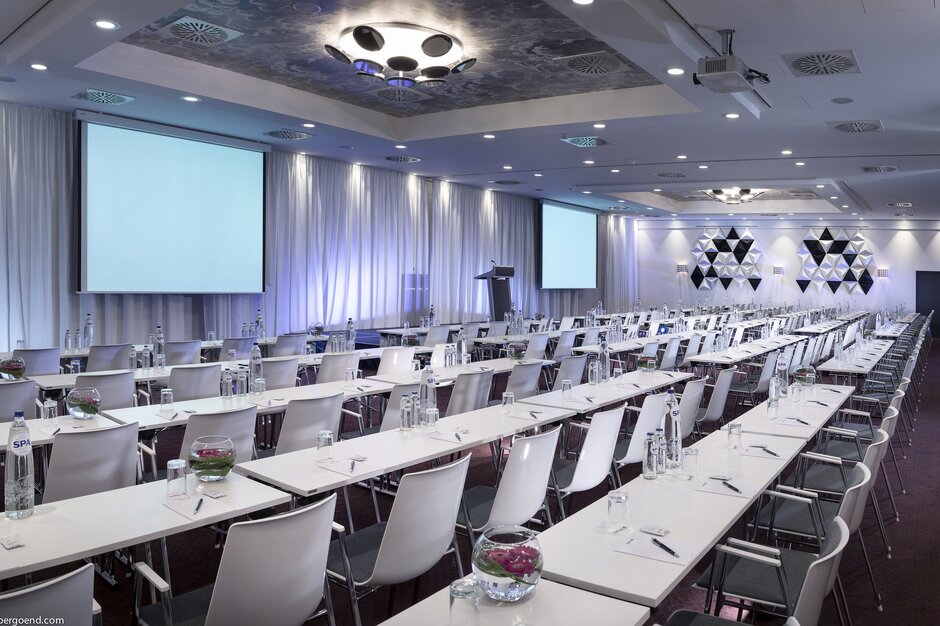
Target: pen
(534, 414)
(198, 506)
(664, 547)
(730, 486)
(801, 421)
(768, 451)
(352, 465)
(457, 435)
(56, 432)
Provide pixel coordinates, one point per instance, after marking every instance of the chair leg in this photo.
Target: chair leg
(897, 468)
(328, 601)
(354, 601)
(375, 501)
(881, 522)
(349, 518)
(457, 560)
(884, 473)
(871, 575)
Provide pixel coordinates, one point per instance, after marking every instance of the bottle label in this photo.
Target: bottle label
(21, 445)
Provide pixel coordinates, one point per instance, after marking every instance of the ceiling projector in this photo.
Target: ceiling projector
(724, 74)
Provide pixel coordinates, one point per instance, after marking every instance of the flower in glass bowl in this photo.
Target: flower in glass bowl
(13, 368)
(647, 363)
(409, 338)
(212, 458)
(805, 375)
(516, 350)
(83, 403)
(507, 562)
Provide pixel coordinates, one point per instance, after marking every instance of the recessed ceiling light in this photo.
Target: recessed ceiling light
(799, 164)
(681, 156)
(583, 1)
(675, 71)
(106, 24)
(649, 208)
(820, 218)
(537, 175)
(707, 218)
(39, 67)
(190, 98)
(401, 146)
(781, 218)
(488, 136)
(588, 162)
(674, 214)
(303, 153)
(586, 192)
(703, 167)
(789, 213)
(845, 206)
(621, 201)
(820, 186)
(854, 213)
(833, 197)
(730, 214)
(309, 125)
(657, 189)
(614, 171)
(861, 218)
(507, 167)
(732, 116)
(786, 152)
(600, 125)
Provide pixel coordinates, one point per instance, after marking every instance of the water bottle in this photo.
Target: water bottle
(432, 316)
(650, 457)
(227, 391)
(89, 334)
(462, 348)
(145, 357)
(838, 345)
(132, 364)
(160, 345)
(68, 339)
(427, 396)
(661, 451)
(19, 490)
(350, 334)
(245, 329)
(405, 412)
(254, 364)
(665, 310)
(241, 382)
(673, 432)
(603, 363)
(259, 324)
(783, 378)
(773, 391)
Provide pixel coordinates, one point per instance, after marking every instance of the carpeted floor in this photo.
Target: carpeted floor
(908, 582)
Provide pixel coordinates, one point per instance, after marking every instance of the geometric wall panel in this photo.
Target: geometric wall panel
(831, 260)
(725, 256)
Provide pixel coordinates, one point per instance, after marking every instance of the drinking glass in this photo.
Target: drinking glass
(416, 368)
(159, 361)
(211, 335)
(325, 446)
(176, 487)
(232, 356)
(734, 435)
(75, 366)
(50, 410)
(464, 603)
(166, 400)
(689, 464)
(618, 511)
(566, 388)
(618, 372)
(259, 386)
(20, 344)
(351, 375)
(509, 398)
(432, 414)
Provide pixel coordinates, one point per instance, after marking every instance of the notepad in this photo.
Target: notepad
(342, 466)
(761, 454)
(451, 436)
(641, 544)
(718, 487)
(211, 508)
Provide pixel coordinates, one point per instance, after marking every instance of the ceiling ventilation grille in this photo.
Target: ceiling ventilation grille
(402, 158)
(823, 63)
(399, 94)
(671, 175)
(803, 195)
(102, 97)
(584, 142)
(857, 126)
(286, 133)
(508, 182)
(594, 63)
(900, 205)
(879, 169)
(200, 32)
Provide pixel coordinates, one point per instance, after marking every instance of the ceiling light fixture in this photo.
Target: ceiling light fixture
(675, 71)
(732, 116)
(799, 164)
(488, 136)
(583, 1)
(845, 206)
(401, 54)
(820, 186)
(190, 98)
(833, 197)
(507, 167)
(600, 125)
(621, 201)
(39, 67)
(730, 214)
(735, 195)
(703, 167)
(588, 162)
(854, 213)
(309, 125)
(400, 147)
(786, 152)
(657, 189)
(649, 208)
(105, 24)
(587, 192)
(614, 171)
(682, 156)
(537, 175)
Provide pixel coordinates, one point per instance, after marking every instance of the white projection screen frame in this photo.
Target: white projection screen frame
(567, 247)
(169, 210)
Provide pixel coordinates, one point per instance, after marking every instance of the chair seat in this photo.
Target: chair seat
(841, 449)
(794, 517)
(750, 580)
(864, 430)
(189, 609)
(821, 478)
(691, 618)
(363, 549)
(479, 500)
(353, 434)
(620, 449)
(564, 471)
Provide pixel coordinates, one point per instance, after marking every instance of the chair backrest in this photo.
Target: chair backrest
(241, 345)
(788, 356)
(471, 330)
(877, 449)
(708, 344)
(691, 349)
(565, 344)
(521, 490)
(497, 329)
(827, 346)
(183, 352)
(116, 388)
(716, 404)
(91, 461)
(334, 365)
(797, 360)
(712, 320)
(69, 597)
(17, 395)
(40, 361)
(436, 335)
(437, 353)
(281, 557)
(808, 352)
(852, 507)
(304, 419)
(280, 372)
(391, 419)
(566, 323)
(537, 344)
(396, 360)
(108, 357)
(190, 382)
(289, 345)
(421, 523)
(471, 392)
(571, 368)
(689, 405)
(650, 418)
(669, 355)
(589, 338)
(767, 372)
(598, 450)
(650, 349)
(237, 425)
(821, 574)
(524, 379)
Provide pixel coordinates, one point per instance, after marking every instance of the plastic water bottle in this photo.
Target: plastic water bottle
(603, 363)
(241, 382)
(227, 391)
(160, 345)
(673, 431)
(405, 412)
(350, 334)
(89, 334)
(650, 457)
(145, 357)
(432, 316)
(661, 451)
(427, 396)
(773, 390)
(254, 364)
(783, 377)
(462, 343)
(132, 361)
(259, 324)
(19, 490)
(68, 339)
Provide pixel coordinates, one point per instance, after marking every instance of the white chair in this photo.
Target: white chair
(497, 329)
(593, 463)
(17, 395)
(241, 345)
(282, 557)
(689, 405)
(472, 331)
(524, 380)
(391, 418)
(537, 344)
(108, 357)
(182, 352)
(280, 372)
(40, 361)
(190, 382)
(566, 323)
(471, 392)
(754, 387)
(589, 338)
(650, 418)
(715, 410)
(304, 419)
(571, 368)
(521, 491)
(289, 345)
(396, 360)
(436, 335)
(668, 362)
(334, 365)
(437, 353)
(237, 425)
(68, 597)
(797, 360)
(84, 462)
(565, 344)
(419, 531)
(116, 389)
(692, 349)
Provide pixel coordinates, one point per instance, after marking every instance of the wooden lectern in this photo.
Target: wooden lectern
(500, 297)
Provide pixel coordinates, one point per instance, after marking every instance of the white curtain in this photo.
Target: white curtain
(619, 264)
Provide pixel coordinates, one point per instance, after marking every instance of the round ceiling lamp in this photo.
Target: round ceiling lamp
(735, 195)
(401, 54)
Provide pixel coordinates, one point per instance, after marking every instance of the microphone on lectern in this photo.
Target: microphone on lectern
(492, 261)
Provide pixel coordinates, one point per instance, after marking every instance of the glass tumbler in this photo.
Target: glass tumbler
(618, 511)
(211, 336)
(166, 400)
(325, 446)
(176, 487)
(464, 603)
(566, 388)
(509, 399)
(259, 386)
(689, 464)
(734, 436)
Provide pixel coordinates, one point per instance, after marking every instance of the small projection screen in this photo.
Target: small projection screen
(568, 247)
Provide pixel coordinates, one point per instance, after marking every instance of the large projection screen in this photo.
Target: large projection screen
(568, 247)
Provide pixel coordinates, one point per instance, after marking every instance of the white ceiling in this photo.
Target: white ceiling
(647, 127)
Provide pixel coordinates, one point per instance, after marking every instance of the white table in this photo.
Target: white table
(68, 530)
(551, 604)
(41, 433)
(50, 382)
(446, 375)
(761, 420)
(909, 318)
(746, 351)
(851, 317)
(821, 328)
(857, 362)
(630, 385)
(892, 332)
(632, 345)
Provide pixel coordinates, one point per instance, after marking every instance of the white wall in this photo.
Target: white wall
(900, 247)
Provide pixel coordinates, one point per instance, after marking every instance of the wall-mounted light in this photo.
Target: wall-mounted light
(882, 272)
(778, 270)
(682, 268)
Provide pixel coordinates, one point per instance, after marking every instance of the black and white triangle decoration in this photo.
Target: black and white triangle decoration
(833, 259)
(725, 256)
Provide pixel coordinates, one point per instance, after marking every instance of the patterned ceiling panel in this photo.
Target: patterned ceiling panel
(516, 43)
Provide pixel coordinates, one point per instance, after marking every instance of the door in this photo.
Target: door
(928, 296)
